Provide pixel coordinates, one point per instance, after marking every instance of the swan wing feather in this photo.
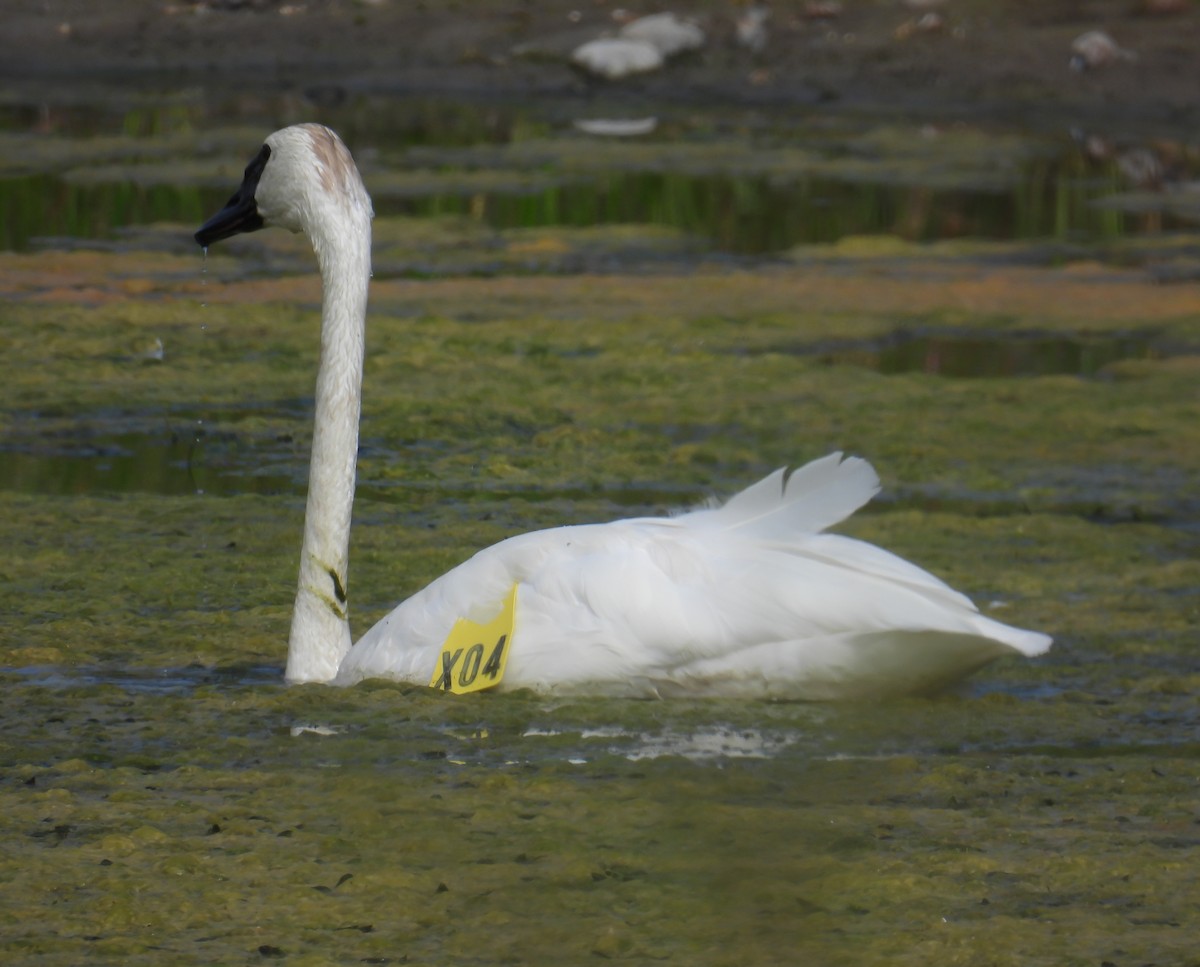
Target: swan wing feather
(816, 496)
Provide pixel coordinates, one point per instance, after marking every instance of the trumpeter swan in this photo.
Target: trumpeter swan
(748, 599)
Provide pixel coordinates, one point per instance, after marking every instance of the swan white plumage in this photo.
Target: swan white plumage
(748, 599)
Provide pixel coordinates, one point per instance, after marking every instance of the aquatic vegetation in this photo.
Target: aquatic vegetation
(162, 800)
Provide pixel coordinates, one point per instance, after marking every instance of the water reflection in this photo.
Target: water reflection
(755, 214)
(178, 460)
(397, 723)
(748, 202)
(163, 462)
(523, 729)
(974, 355)
(47, 206)
(744, 214)
(703, 744)
(147, 681)
(984, 355)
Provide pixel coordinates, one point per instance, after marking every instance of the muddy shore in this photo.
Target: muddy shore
(999, 60)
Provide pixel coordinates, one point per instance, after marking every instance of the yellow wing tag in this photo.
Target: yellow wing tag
(474, 656)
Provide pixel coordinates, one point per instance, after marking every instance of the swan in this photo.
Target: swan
(748, 599)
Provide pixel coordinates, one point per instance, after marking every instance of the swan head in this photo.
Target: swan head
(302, 179)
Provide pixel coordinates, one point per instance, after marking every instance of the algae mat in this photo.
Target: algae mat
(166, 800)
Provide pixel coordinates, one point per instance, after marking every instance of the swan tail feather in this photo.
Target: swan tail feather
(1027, 643)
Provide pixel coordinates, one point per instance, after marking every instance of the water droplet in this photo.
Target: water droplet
(204, 276)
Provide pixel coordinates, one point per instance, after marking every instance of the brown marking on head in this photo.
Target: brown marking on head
(336, 165)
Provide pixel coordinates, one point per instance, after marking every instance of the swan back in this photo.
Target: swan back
(747, 599)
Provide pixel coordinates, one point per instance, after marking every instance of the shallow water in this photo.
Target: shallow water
(181, 456)
(1029, 401)
(741, 181)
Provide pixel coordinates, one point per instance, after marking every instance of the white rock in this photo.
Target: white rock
(615, 58)
(751, 27)
(666, 32)
(616, 127)
(1097, 49)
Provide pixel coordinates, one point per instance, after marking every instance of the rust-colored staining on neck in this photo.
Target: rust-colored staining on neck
(336, 165)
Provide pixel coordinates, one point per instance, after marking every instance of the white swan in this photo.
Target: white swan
(748, 599)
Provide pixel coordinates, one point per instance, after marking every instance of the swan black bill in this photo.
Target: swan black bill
(240, 213)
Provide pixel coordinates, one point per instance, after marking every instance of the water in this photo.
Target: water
(165, 797)
(812, 182)
(1020, 355)
(45, 207)
(751, 214)
(183, 459)
(743, 214)
(163, 462)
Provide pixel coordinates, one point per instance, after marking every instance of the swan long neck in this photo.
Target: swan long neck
(320, 635)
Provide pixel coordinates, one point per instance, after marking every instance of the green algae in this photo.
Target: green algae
(388, 844)
(158, 806)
